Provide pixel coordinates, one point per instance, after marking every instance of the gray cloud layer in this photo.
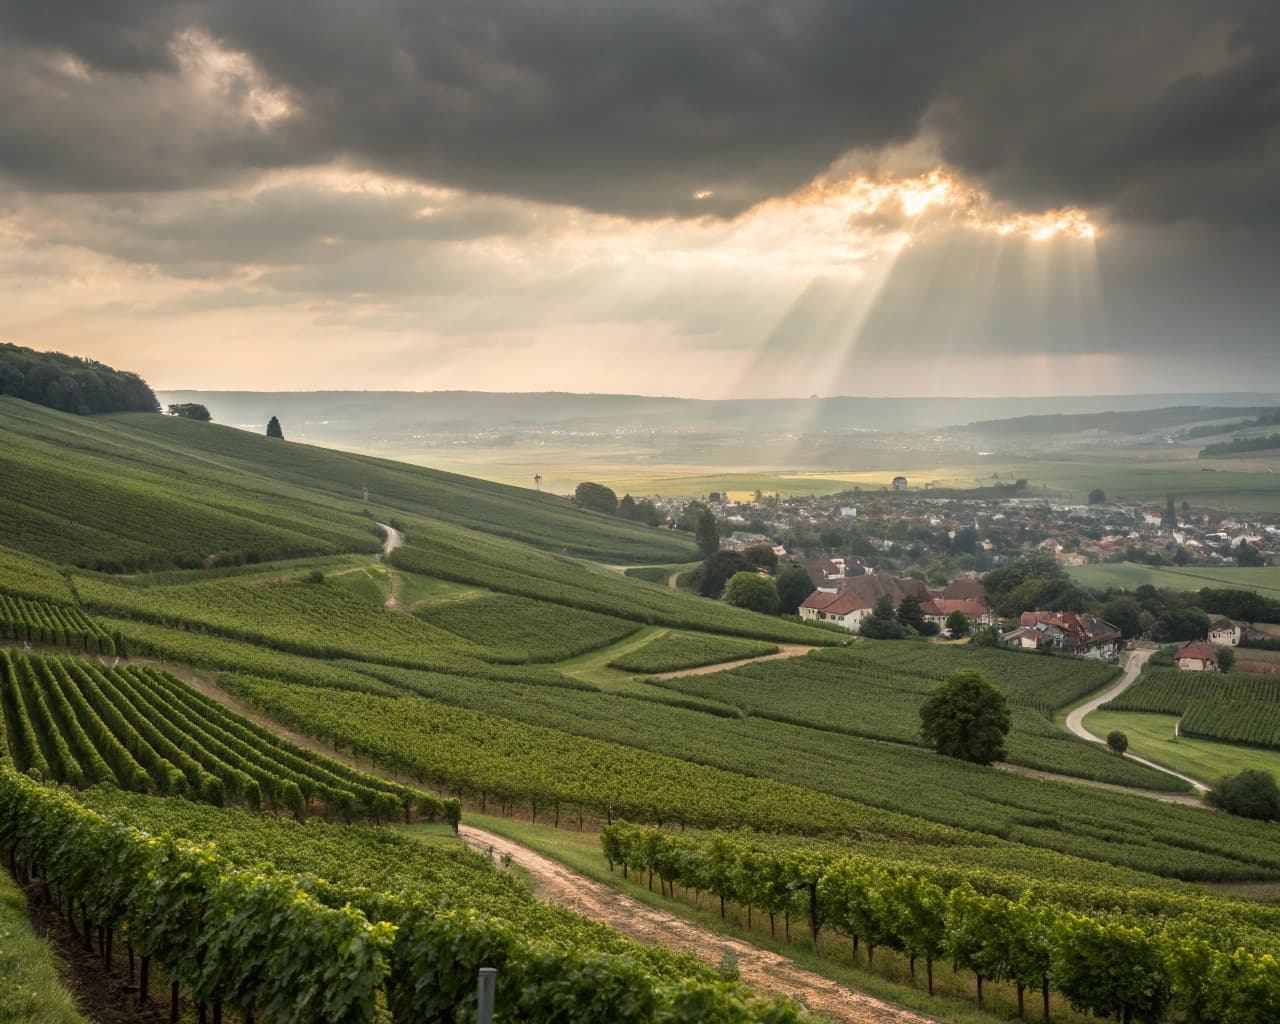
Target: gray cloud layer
(1151, 110)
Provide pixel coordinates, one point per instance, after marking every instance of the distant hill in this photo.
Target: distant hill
(132, 492)
(1126, 422)
(359, 418)
(71, 384)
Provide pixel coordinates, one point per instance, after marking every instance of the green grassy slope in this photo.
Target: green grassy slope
(190, 490)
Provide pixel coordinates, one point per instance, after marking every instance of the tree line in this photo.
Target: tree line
(84, 387)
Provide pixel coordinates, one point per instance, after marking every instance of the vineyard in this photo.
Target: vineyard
(24, 576)
(1208, 960)
(1234, 708)
(248, 925)
(1235, 721)
(675, 651)
(866, 691)
(518, 630)
(1170, 691)
(139, 729)
(39, 622)
(564, 755)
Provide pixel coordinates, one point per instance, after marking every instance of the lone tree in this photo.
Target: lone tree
(706, 533)
(1226, 659)
(966, 718)
(1250, 794)
(597, 497)
(1117, 741)
(958, 624)
(273, 428)
(1097, 496)
(752, 591)
(794, 585)
(190, 411)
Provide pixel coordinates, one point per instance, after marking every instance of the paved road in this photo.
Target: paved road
(1133, 662)
(765, 972)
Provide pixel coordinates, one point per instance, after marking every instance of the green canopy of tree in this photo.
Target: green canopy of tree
(910, 614)
(1248, 555)
(1226, 659)
(597, 497)
(1117, 741)
(273, 428)
(71, 384)
(1176, 624)
(752, 591)
(710, 578)
(706, 533)
(1097, 496)
(761, 556)
(190, 411)
(882, 623)
(958, 624)
(794, 585)
(1249, 794)
(966, 718)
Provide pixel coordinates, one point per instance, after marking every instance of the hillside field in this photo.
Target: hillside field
(495, 661)
(1129, 576)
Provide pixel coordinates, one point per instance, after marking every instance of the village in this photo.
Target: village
(932, 550)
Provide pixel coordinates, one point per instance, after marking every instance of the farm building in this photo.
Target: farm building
(1197, 657)
(844, 610)
(1225, 633)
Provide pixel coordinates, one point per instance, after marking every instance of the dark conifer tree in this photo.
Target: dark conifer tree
(273, 429)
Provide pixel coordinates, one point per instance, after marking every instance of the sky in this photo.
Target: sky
(717, 199)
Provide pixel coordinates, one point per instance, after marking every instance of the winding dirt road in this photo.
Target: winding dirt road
(393, 539)
(784, 651)
(1133, 662)
(765, 972)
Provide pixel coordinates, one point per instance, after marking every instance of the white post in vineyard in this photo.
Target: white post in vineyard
(487, 986)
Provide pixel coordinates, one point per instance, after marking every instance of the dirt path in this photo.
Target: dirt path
(392, 540)
(765, 972)
(1133, 662)
(1188, 799)
(784, 651)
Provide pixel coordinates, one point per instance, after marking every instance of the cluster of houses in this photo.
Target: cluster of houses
(1202, 656)
(1072, 632)
(846, 601)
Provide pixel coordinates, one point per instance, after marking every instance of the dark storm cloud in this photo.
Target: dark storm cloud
(1152, 110)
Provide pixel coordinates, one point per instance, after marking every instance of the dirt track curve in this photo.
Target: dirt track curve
(784, 651)
(765, 972)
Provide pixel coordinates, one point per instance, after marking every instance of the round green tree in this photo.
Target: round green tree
(754, 592)
(958, 624)
(1250, 794)
(794, 585)
(966, 718)
(1117, 741)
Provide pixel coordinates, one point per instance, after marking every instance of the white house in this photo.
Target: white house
(1225, 633)
(1197, 657)
(844, 610)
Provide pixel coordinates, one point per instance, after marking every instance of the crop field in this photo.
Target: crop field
(928, 915)
(139, 729)
(62, 625)
(672, 652)
(354, 945)
(1235, 721)
(444, 552)
(1171, 691)
(517, 629)
(1127, 576)
(25, 576)
(875, 688)
(750, 773)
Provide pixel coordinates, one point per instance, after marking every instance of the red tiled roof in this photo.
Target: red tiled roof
(1198, 651)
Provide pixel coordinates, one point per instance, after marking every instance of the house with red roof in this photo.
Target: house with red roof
(1197, 657)
(1073, 632)
(844, 610)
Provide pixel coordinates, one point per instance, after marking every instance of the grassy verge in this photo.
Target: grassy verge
(890, 981)
(1152, 736)
(30, 989)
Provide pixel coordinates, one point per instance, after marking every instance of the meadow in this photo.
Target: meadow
(1129, 576)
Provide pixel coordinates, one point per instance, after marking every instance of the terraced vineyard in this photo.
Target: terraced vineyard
(40, 622)
(676, 651)
(1171, 691)
(250, 926)
(1235, 721)
(1000, 927)
(518, 630)
(699, 769)
(139, 729)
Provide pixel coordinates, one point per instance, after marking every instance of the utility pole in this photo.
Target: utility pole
(537, 482)
(366, 495)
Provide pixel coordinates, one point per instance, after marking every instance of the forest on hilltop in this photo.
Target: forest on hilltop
(71, 384)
